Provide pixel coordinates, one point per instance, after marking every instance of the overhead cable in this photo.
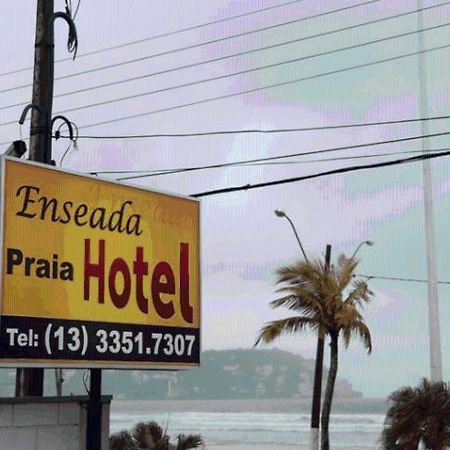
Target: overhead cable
(200, 44)
(163, 72)
(157, 172)
(293, 155)
(319, 175)
(250, 91)
(256, 130)
(150, 38)
(415, 280)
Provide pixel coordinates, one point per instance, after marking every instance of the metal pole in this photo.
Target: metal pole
(433, 302)
(317, 389)
(94, 414)
(298, 239)
(30, 382)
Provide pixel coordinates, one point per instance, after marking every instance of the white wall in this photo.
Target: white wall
(47, 423)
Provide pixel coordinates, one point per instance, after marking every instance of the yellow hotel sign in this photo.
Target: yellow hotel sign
(96, 273)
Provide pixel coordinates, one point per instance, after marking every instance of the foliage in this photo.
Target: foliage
(418, 415)
(322, 301)
(122, 440)
(326, 300)
(150, 436)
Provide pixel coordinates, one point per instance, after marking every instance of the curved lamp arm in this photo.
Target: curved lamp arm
(280, 213)
(67, 122)
(23, 116)
(73, 39)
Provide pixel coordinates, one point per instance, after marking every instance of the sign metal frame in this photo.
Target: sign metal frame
(90, 364)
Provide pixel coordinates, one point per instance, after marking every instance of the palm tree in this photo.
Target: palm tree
(150, 436)
(418, 415)
(122, 440)
(326, 301)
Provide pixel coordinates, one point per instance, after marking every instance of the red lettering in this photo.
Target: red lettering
(94, 270)
(119, 300)
(165, 310)
(140, 268)
(186, 309)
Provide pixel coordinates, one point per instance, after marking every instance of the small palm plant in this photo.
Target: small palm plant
(325, 300)
(150, 436)
(122, 440)
(418, 415)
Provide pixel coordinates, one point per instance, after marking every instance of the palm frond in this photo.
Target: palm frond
(419, 414)
(189, 442)
(360, 293)
(271, 330)
(122, 440)
(344, 272)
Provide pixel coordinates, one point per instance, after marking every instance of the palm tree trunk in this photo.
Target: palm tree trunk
(328, 398)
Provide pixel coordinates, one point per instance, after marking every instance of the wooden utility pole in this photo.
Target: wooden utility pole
(30, 382)
(318, 370)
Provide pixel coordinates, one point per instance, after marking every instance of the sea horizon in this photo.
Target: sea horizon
(252, 424)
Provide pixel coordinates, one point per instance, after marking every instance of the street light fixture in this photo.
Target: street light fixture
(281, 213)
(369, 243)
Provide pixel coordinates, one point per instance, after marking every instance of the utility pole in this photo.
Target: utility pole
(30, 382)
(433, 301)
(317, 389)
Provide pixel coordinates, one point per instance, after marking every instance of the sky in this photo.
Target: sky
(242, 240)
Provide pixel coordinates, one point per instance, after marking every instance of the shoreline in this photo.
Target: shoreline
(299, 406)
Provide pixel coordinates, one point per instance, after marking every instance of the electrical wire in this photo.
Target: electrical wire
(415, 280)
(166, 71)
(318, 175)
(166, 34)
(201, 44)
(292, 155)
(263, 131)
(157, 172)
(250, 91)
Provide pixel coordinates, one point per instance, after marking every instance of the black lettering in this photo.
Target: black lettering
(118, 225)
(26, 200)
(28, 263)
(46, 203)
(43, 268)
(66, 271)
(134, 226)
(14, 257)
(98, 222)
(80, 212)
(55, 267)
(66, 212)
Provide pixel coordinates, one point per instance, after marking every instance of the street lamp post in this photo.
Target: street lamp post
(317, 388)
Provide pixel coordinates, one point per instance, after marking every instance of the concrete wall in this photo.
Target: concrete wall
(47, 423)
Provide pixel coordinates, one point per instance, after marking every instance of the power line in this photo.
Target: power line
(166, 71)
(201, 44)
(293, 155)
(250, 91)
(157, 172)
(416, 280)
(252, 131)
(318, 175)
(166, 34)
(235, 94)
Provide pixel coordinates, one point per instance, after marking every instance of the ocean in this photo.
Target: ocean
(222, 428)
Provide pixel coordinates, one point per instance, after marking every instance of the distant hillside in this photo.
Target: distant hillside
(224, 374)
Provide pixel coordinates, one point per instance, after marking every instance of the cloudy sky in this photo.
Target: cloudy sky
(242, 240)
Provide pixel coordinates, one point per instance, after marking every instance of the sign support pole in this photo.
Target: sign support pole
(94, 413)
(30, 382)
